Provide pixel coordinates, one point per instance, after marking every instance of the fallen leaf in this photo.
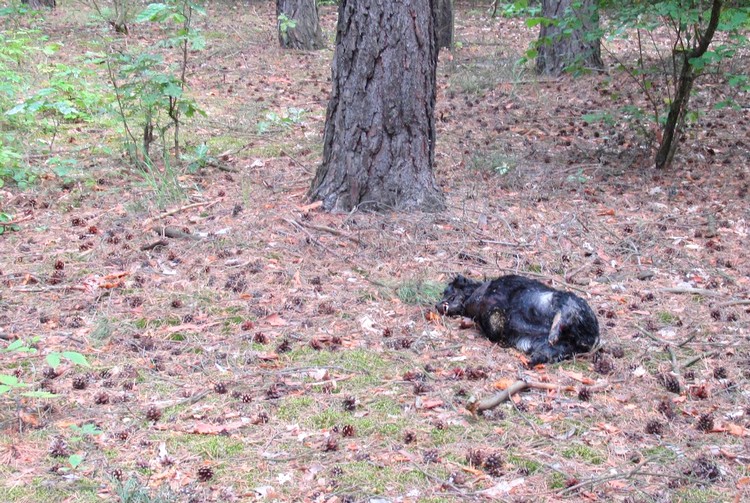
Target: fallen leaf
(503, 383)
(500, 490)
(274, 320)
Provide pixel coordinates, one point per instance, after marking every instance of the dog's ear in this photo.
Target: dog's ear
(460, 281)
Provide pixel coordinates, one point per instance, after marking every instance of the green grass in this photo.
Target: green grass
(420, 292)
(294, 408)
(584, 453)
(213, 447)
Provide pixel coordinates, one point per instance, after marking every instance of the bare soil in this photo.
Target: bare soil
(265, 350)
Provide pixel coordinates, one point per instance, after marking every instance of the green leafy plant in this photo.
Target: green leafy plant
(6, 222)
(148, 90)
(286, 24)
(286, 119)
(11, 384)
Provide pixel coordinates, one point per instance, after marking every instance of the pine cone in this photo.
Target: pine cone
(604, 365)
(153, 413)
(671, 383)
(284, 347)
(80, 382)
(720, 373)
(431, 456)
(350, 403)
(654, 427)
(220, 388)
(493, 465)
(331, 444)
(409, 437)
(348, 430)
(705, 422)
(205, 473)
(475, 458)
(49, 373)
(101, 398)
(58, 448)
(666, 408)
(584, 394)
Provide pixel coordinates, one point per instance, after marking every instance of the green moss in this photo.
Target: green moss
(584, 453)
(527, 464)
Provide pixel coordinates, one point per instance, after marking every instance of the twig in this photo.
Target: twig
(697, 359)
(689, 290)
(516, 387)
(649, 334)
(16, 221)
(294, 223)
(184, 401)
(441, 481)
(673, 358)
(333, 231)
(171, 212)
(743, 302)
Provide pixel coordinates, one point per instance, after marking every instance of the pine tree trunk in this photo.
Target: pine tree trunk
(444, 23)
(558, 50)
(378, 144)
(299, 28)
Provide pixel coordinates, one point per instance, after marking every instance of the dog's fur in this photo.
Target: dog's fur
(546, 324)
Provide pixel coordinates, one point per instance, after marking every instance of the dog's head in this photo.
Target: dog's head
(455, 296)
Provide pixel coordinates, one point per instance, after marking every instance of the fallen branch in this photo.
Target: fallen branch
(697, 359)
(692, 291)
(333, 231)
(169, 213)
(16, 221)
(738, 302)
(516, 387)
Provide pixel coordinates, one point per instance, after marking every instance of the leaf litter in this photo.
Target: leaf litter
(340, 383)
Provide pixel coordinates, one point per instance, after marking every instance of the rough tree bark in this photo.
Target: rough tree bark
(444, 23)
(558, 50)
(38, 4)
(679, 106)
(303, 15)
(378, 143)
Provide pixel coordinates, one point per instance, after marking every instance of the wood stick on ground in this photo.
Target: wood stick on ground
(516, 387)
(689, 290)
(333, 231)
(174, 211)
(738, 302)
(698, 358)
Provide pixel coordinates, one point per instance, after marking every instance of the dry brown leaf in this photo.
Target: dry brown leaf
(274, 320)
(503, 383)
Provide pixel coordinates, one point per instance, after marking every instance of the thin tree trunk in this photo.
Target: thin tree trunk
(378, 144)
(560, 48)
(679, 106)
(299, 26)
(444, 23)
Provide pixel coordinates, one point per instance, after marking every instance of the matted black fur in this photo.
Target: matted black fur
(546, 324)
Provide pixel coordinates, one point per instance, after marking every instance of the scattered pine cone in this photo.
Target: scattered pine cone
(409, 437)
(420, 388)
(336, 340)
(604, 365)
(671, 383)
(720, 373)
(457, 373)
(246, 398)
(350, 403)
(273, 392)
(667, 408)
(493, 465)
(654, 427)
(247, 325)
(80, 382)
(260, 338)
(476, 373)
(412, 375)
(177, 303)
(705, 422)
(431, 456)
(316, 344)
(153, 413)
(475, 458)
(348, 430)
(704, 469)
(205, 473)
(122, 435)
(220, 388)
(262, 418)
(49, 373)
(284, 347)
(101, 398)
(331, 444)
(58, 448)
(584, 394)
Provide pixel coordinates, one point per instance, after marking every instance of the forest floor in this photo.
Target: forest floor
(266, 350)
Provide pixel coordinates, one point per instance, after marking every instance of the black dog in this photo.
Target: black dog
(546, 324)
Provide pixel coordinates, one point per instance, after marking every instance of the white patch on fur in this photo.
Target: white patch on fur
(523, 344)
(543, 300)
